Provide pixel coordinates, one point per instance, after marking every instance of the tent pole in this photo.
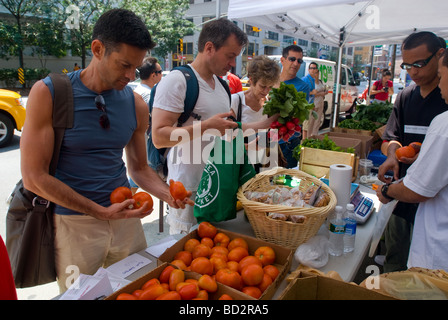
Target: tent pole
(337, 97)
(370, 75)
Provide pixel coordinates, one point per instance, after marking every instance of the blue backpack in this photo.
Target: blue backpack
(157, 157)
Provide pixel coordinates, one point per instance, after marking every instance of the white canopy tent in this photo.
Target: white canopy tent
(344, 23)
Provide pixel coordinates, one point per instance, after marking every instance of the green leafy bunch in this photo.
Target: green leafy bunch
(363, 124)
(289, 103)
(324, 144)
(376, 112)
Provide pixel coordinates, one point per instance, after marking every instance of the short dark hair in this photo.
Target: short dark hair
(415, 40)
(148, 67)
(292, 47)
(312, 63)
(118, 26)
(218, 31)
(386, 72)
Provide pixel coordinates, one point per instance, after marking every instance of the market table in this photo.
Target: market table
(346, 265)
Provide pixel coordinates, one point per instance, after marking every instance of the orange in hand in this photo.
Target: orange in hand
(177, 190)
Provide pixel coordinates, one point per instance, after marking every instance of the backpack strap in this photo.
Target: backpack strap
(62, 113)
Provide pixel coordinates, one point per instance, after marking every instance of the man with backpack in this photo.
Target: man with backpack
(220, 42)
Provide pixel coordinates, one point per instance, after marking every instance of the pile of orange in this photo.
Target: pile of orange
(172, 285)
(228, 261)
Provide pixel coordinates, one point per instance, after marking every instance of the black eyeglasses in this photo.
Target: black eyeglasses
(417, 64)
(313, 68)
(101, 105)
(292, 59)
(158, 71)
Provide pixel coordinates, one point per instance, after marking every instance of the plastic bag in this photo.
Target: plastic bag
(382, 219)
(313, 253)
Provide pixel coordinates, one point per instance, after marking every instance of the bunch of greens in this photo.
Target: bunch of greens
(324, 144)
(363, 124)
(289, 103)
(376, 112)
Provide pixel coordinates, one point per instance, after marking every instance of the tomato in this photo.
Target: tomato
(232, 265)
(176, 276)
(208, 242)
(150, 282)
(190, 244)
(225, 296)
(177, 190)
(237, 254)
(252, 291)
(221, 240)
(207, 283)
(137, 293)
(120, 194)
(271, 271)
(180, 264)
(266, 255)
(202, 295)
(252, 275)
(265, 283)
(405, 152)
(152, 292)
(238, 242)
(229, 278)
(218, 263)
(201, 250)
(206, 229)
(142, 197)
(188, 291)
(219, 255)
(185, 256)
(221, 250)
(164, 276)
(416, 146)
(170, 295)
(202, 265)
(126, 296)
(247, 261)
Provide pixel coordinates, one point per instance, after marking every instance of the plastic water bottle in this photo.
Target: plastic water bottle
(336, 231)
(350, 229)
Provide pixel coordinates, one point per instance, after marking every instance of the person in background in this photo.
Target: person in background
(234, 82)
(383, 89)
(90, 232)
(317, 96)
(414, 109)
(76, 67)
(426, 183)
(291, 60)
(150, 74)
(247, 106)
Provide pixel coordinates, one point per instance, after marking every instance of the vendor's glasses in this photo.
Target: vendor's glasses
(101, 105)
(158, 71)
(417, 64)
(292, 59)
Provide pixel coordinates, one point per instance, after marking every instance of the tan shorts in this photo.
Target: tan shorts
(83, 244)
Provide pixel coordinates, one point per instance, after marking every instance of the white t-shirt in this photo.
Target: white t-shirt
(143, 90)
(187, 159)
(247, 114)
(428, 176)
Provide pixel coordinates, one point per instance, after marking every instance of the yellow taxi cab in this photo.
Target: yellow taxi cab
(245, 83)
(12, 115)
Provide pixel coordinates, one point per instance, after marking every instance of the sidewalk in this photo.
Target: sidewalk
(151, 229)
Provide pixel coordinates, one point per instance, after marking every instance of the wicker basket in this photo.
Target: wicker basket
(284, 233)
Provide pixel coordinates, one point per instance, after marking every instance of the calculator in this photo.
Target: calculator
(363, 206)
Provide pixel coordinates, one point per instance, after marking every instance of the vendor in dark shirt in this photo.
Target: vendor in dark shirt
(414, 109)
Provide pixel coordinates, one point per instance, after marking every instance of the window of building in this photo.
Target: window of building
(252, 31)
(289, 40)
(303, 43)
(271, 35)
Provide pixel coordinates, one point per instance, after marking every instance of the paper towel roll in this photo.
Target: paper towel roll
(340, 182)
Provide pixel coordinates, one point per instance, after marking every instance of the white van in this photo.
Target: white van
(327, 72)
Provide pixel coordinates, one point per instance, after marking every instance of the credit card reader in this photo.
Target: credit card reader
(363, 206)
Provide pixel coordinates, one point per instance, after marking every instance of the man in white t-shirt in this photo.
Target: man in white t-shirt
(220, 42)
(150, 74)
(426, 182)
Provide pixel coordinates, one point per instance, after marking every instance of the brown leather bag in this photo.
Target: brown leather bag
(29, 220)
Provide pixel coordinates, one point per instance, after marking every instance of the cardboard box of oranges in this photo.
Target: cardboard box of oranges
(229, 257)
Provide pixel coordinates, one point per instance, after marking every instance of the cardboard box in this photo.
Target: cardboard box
(309, 286)
(283, 255)
(376, 141)
(155, 273)
(317, 162)
(344, 142)
(366, 141)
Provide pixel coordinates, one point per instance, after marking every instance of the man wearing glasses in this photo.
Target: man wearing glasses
(414, 109)
(90, 232)
(150, 74)
(291, 60)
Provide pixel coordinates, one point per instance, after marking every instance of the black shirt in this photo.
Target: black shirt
(409, 121)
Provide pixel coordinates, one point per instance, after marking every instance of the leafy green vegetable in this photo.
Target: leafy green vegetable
(364, 124)
(324, 144)
(376, 112)
(289, 103)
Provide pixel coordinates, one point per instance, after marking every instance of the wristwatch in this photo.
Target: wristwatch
(384, 190)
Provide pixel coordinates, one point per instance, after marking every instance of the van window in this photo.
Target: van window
(343, 77)
(351, 79)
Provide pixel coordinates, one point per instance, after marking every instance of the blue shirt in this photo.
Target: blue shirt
(91, 158)
(312, 85)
